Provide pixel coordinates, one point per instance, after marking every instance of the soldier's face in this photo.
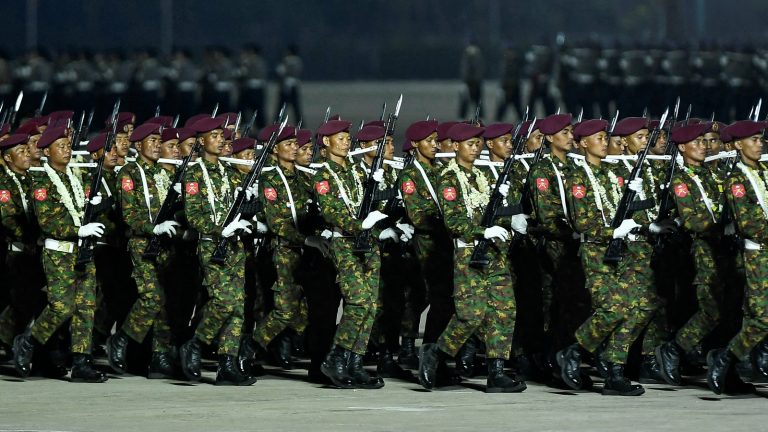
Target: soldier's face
(337, 144)
(122, 144)
(110, 160)
(501, 147)
(595, 146)
(446, 146)
(149, 147)
(287, 150)
(60, 152)
(17, 158)
(226, 149)
(661, 144)
(170, 149)
(304, 155)
(636, 141)
(185, 147)
(712, 140)
(389, 148)
(534, 141)
(34, 153)
(695, 151)
(615, 146)
(246, 154)
(562, 140)
(128, 128)
(751, 148)
(467, 151)
(213, 142)
(428, 146)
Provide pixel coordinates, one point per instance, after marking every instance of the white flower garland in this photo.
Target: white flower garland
(473, 198)
(75, 208)
(216, 215)
(162, 183)
(601, 197)
(345, 193)
(760, 183)
(23, 196)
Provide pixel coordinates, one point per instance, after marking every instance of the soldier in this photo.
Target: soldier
(59, 199)
(125, 123)
(209, 194)
(483, 296)
(745, 191)
(444, 141)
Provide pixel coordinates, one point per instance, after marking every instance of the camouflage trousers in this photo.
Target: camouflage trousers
(222, 315)
(618, 315)
(754, 325)
(709, 295)
(639, 275)
(290, 306)
(358, 278)
(148, 312)
(485, 304)
(71, 295)
(565, 302)
(433, 251)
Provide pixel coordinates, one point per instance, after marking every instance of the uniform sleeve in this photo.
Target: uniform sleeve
(331, 205)
(132, 202)
(546, 199)
(690, 208)
(52, 216)
(587, 218)
(455, 216)
(10, 213)
(419, 204)
(277, 214)
(748, 215)
(196, 205)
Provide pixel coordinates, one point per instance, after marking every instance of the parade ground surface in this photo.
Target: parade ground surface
(284, 401)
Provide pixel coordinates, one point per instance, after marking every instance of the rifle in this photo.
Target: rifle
(665, 200)
(626, 207)
(219, 255)
(16, 106)
(85, 245)
(316, 146)
(247, 129)
(370, 187)
(476, 118)
(39, 110)
(77, 132)
(355, 142)
(175, 121)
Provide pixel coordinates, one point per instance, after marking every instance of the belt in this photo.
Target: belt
(459, 243)
(752, 245)
(59, 246)
(16, 247)
(206, 238)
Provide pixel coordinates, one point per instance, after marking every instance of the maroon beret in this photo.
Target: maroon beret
(370, 133)
(589, 127)
(463, 131)
(266, 133)
(123, 118)
(208, 124)
(14, 140)
(334, 117)
(96, 143)
(59, 115)
(241, 144)
(169, 134)
(29, 128)
(498, 129)
(419, 131)
(4, 129)
(688, 133)
(554, 123)
(715, 126)
(165, 121)
(630, 125)
(229, 118)
(379, 123)
(228, 134)
(185, 133)
(144, 131)
(527, 125)
(190, 121)
(304, 136)
(62, 121)
(744, 128)
(725, 136)
(332, 127)
(442, 130)
(51, 134)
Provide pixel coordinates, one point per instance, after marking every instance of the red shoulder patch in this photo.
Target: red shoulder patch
(5, 196)
(191, 188)
(621, 181)
(738, 190)
(449, 194)
(322, 187)
(542, 184)
(127, 184)
(409, 187)
(270, 194)
(578, 191)
(681, 190)
(40, 194)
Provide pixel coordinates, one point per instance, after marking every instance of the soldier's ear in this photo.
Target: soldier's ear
(47, 152)
(681, 148)
(455, 145)
(326, 141)
(737, 145)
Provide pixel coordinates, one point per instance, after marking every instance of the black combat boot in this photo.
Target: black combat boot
(117, 345)
(719, 362)
(297, 344)
(229, 372)
(430, 358)
(189, 354)
(697, 356)
(465, 358)
(161, 366)
(23, 350)
(361, 377)
(387, 367)
(56, 365)
(246, 356)
(668, 358)
(335, 368)
(499, 382)
(650, 372)
(280, 351)
(618, 385)
(759, 358)
(6, 352)
(408, 357)
(569, 361)
(83, 371)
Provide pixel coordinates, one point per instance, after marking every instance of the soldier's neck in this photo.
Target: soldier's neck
(338, 159)
(16, 170)
(495, 158)
(465, 164)
(146, 161)
(690, 162)
(560, 154)
(211, 158)
(749, 162)
(35, 163)
(593, 160)
(368, 160)
(57, 166)
(422, 159)
(287, 165)
(168, 167)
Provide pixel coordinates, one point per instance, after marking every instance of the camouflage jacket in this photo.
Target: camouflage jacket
(651, 184)
(546, 193)
(139, 206)
(456, 214)
(285, 201)
(421, 206)
(692, 208)
(582, 195)
(332, 183)
(55, 220)
(16, 208)
(750, 219)
(207, 209)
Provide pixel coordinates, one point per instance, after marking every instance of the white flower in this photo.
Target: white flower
(473, 198)
(75, 206)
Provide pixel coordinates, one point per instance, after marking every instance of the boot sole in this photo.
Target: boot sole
(516, 389)
(561, 362)
(86, 381)
(664, 372)
(637, 392)
(368, 387)
(108, 349)
(245, 383)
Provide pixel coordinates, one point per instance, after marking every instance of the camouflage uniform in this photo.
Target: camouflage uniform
(357, 274)
(222, 316)
(71, 292)
(484, 297)
(148, 311)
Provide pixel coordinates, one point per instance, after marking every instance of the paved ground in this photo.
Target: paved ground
(285, 402)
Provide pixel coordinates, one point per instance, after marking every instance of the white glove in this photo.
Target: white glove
(326, 234)
(234, 226)
(372, 218)
(636, 185)
(504, 189)
(177, 188)
(390, 234)
(378, 176)
(407, 230)
(166, 228)
(665, 227)
(93, 229)
(95, 200)
(319, 243)
(261, 228)
(251, 192)
(730, 229)
(496, 232)
(626, 226)
(520, 223)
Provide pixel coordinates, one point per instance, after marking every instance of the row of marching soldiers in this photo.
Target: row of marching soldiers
(691, 276)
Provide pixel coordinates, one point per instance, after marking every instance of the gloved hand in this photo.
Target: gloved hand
(504, 189)
(496, 232)
(636, 185)
(520, 223)
(93, 229)
(372, 218)
(177, 188)
(378, 176)
(251, 192)
(234, 226)
(664, 227)
(407, 230)
(95, 200)
(729, 229)
(166, 228)
(390, 234)
(626, 226)
(326, 234)
(261, 228)
(319, 243)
